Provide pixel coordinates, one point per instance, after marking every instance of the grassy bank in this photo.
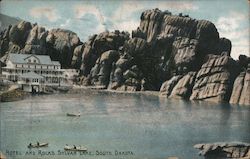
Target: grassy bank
(13, 95)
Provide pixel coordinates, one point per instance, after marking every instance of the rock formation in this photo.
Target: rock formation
(36, 41)
(100, 73)
(61, 44)
(98, 44)
(27, 38)
(192, 38)
(184, 86)
(224, 150)
(77, 56)
(241, 88)
(215, 79)
(179, 56)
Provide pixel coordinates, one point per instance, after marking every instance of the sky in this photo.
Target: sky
(88, 17)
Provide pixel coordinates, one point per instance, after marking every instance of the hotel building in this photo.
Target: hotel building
(32, 72)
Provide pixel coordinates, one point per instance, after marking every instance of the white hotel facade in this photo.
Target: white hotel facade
(32, 72)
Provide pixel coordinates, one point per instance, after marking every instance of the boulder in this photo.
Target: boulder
(151, 21)
(117, 79)
(183, 88)
(100, 73)
(244, 61)
(18, 33)
(214, 80)
(36, 41)
(4, 41)
(241, 88)
(168, 85)
(184, 52)
(61, 44)
(224, 45)
(221, 150)
(98, 44)
(131, 80)
(136, 47)
(77, 56)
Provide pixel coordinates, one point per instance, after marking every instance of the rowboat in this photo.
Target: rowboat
(38, 145)
(73, 114)
(77, 148)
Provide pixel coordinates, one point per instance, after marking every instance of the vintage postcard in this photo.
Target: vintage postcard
(123, 79)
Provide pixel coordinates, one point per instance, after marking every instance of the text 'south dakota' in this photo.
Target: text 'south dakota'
(42, 153)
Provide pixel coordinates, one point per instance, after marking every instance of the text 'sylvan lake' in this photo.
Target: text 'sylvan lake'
(114, 125)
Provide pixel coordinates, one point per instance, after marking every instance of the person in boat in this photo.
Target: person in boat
(30, 145)
(74, 146)
(37, 143)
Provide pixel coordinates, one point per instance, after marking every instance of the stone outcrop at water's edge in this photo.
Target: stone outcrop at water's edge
(233, 150)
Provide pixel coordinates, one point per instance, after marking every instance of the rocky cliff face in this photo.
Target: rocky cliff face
(179, 86)
(192, 39)
(27, 38)
(97, 45)
(61, 44)
(180, 56)
(241, 88)
(215, 79)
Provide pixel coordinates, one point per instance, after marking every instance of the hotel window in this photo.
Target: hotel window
(29, 60)
(47, 67)
(34, 61)
(22, 65)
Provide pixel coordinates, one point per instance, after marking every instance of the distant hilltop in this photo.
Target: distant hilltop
(7, 20)
(179, 56)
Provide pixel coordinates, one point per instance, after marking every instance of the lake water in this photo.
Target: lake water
(141, 126)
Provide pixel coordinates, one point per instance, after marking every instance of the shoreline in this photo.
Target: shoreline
(13, 95)
(75, 90)
(82, 89)
(85, 88)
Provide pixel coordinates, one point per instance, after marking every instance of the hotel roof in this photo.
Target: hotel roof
(20, 59)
